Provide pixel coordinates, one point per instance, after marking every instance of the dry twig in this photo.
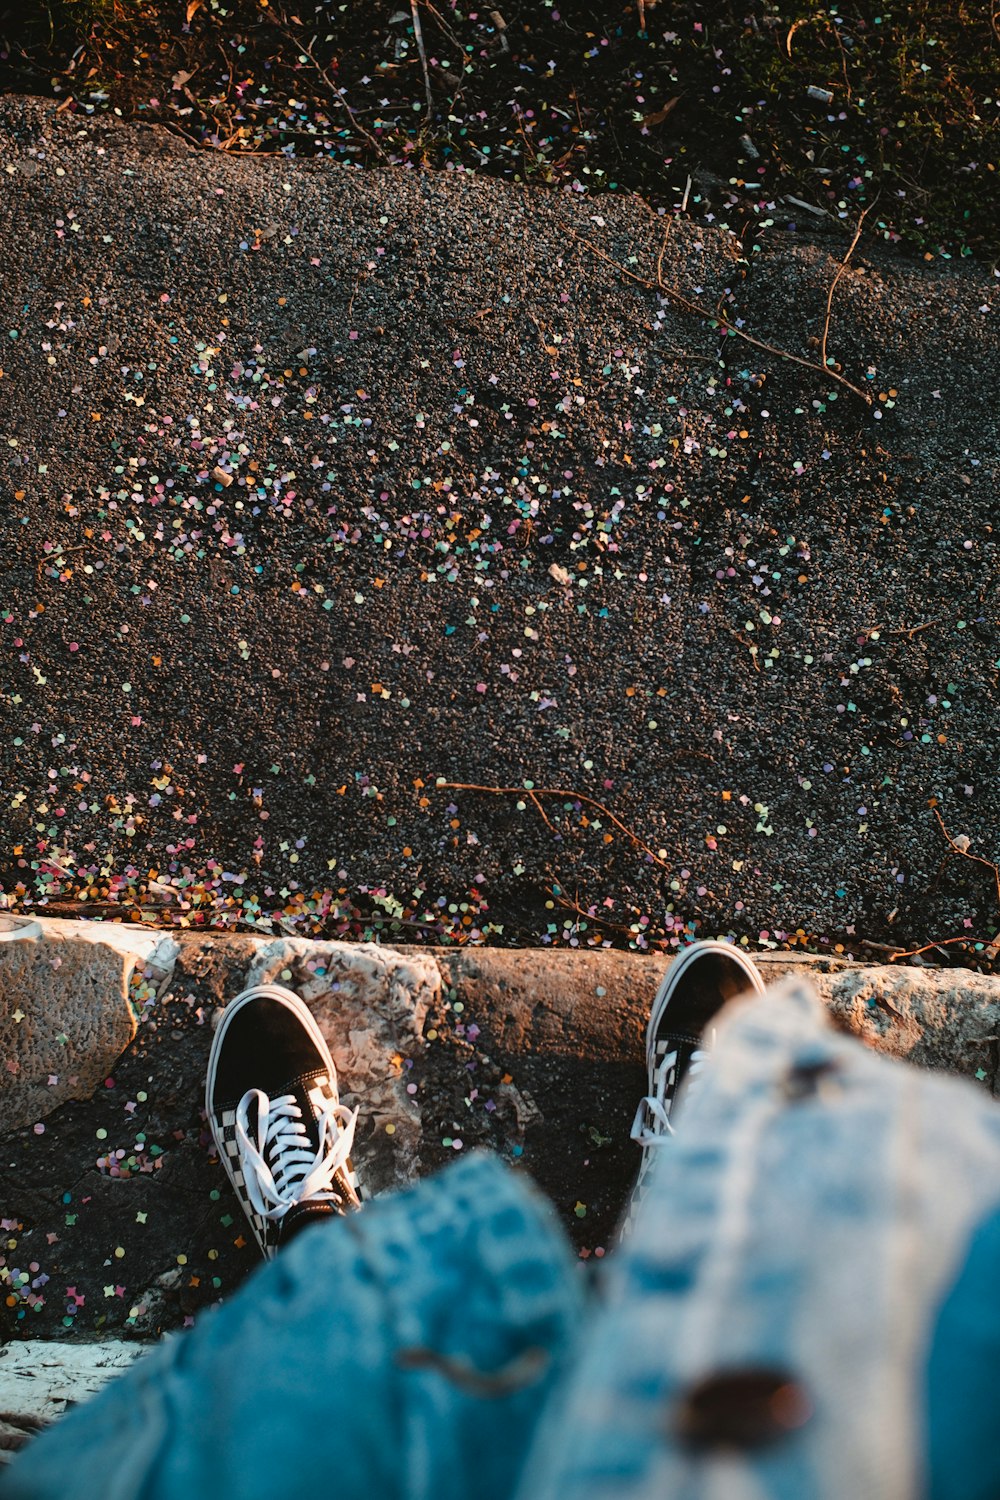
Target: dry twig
(663, 248)
(913, 630)
(956, 848)
(942, 943)
(833, 284)
(541, 812)
(908, 630)
(730, 328)
(439, 18)
(978, 859)
(418, 33)
(552, 791)
(805, 21)
(305, 48)
(754, 650)
(588, 916)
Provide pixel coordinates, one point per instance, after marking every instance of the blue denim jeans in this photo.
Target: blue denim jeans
(826, 1220)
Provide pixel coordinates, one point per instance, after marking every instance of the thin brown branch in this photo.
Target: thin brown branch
(588, 916)
(305, 48)
(386, 920)
(419, 37)
(754, 650)
(805, 21)
(908, 630)
(439, 18)
(705, 312)
(361, 276)
(978, 859)
(941, 943)
(553, 791)
(697, 359)
(843, 60)
(912, 630)
(833, 284)
(663, 248)
(541, 812)
(795, 26)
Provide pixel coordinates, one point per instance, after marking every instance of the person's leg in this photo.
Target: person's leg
(769, 1320)
(961, 1387)
(406, 1350)
(679, 1039)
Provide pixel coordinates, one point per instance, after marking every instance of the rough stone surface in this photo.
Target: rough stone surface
(65, 1017)
(39, 1378)
(947, 1019)
(571, 1025)
(558, 1003)
(596, 1005)
(120, 1197)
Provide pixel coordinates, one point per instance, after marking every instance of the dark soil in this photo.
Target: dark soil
(732, 109)
(712, 638)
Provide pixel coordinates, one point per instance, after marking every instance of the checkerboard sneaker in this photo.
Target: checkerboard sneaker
(275, 1115)
(679, 1036)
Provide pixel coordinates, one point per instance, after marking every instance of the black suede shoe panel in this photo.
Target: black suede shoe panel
(703, 990)
(265, 1046)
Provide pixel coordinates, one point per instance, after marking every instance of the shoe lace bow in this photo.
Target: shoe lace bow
(280, 1167)
(651, 1126)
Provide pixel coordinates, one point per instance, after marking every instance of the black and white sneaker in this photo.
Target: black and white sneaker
(276, 1118)
(679, 1035)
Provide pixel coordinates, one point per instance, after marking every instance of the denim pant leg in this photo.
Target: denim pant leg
(405, 1351)
(825, 1226)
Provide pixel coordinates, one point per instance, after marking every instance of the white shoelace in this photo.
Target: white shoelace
(651, 1126)
(280, 1166)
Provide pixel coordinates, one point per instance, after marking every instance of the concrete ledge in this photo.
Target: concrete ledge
(39, 1378)
(65, 1011)
(73, 992)
(118, 1221)
(597, 1004)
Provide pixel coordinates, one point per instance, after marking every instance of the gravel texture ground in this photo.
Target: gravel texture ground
(320, 486)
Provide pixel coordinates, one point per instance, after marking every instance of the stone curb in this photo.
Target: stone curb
(72, 994)
(559, 1032)
(39, 1379)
